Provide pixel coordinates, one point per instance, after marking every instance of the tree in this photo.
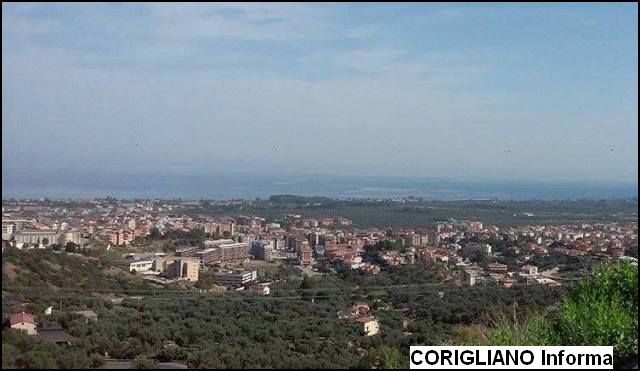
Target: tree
(603, 310)
(141, 362)
(70, 247)
(155, 234)
(45, 241)
(384, 357)
(97, 360)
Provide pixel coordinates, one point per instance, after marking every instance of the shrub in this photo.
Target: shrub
(602, 310)
(141, 362)
(533, 331)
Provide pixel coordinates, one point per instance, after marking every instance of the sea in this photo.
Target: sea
(226, 186)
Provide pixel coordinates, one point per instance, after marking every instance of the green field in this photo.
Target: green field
(426, 213)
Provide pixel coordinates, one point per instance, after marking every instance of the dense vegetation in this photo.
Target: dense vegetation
(47, 269)
(382, 214)
(601, 310)
(296, 327)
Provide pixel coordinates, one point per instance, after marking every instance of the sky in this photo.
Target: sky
(483, 91)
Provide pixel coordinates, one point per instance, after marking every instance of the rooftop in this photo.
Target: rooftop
(54, 336)
(21, 317)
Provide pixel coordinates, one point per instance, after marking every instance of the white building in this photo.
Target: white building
(236, 278)
(140, 265)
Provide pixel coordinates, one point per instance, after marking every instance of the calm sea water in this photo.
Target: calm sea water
(247, 186)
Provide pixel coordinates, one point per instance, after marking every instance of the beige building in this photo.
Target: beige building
(178, 267)
(24, 322)
(370, 326)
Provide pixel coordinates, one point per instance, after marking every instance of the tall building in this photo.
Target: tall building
(178, 267)
(187, 269)
(305, 255)
(262, 251)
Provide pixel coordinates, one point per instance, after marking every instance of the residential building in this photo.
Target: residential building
(188, 251)
(370, 326)
(24, 322)
(224, 253)
(263, 251)
(305, 255)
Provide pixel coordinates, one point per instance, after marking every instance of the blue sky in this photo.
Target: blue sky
(493, 91)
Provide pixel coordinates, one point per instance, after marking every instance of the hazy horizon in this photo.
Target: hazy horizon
(222, 187)
(498, 92)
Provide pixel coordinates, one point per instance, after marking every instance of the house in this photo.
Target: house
(55, 336)
(23, 321)
(370, 326)
(88, 315)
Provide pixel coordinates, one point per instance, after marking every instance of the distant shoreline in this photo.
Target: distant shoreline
(225, 187)
(409, 199)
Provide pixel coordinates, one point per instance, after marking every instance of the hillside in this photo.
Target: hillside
(48, 269)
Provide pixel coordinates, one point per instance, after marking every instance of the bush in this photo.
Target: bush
(603, 310)
(97, 360)
(534, 331)
(141, 362)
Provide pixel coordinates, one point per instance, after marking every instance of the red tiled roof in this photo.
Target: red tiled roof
(21, 317)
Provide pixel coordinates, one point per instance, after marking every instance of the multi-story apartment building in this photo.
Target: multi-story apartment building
(305, 254)
(224, 253)
(236, 278)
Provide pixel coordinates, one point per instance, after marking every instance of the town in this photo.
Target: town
(485, 252)
(176, 245)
